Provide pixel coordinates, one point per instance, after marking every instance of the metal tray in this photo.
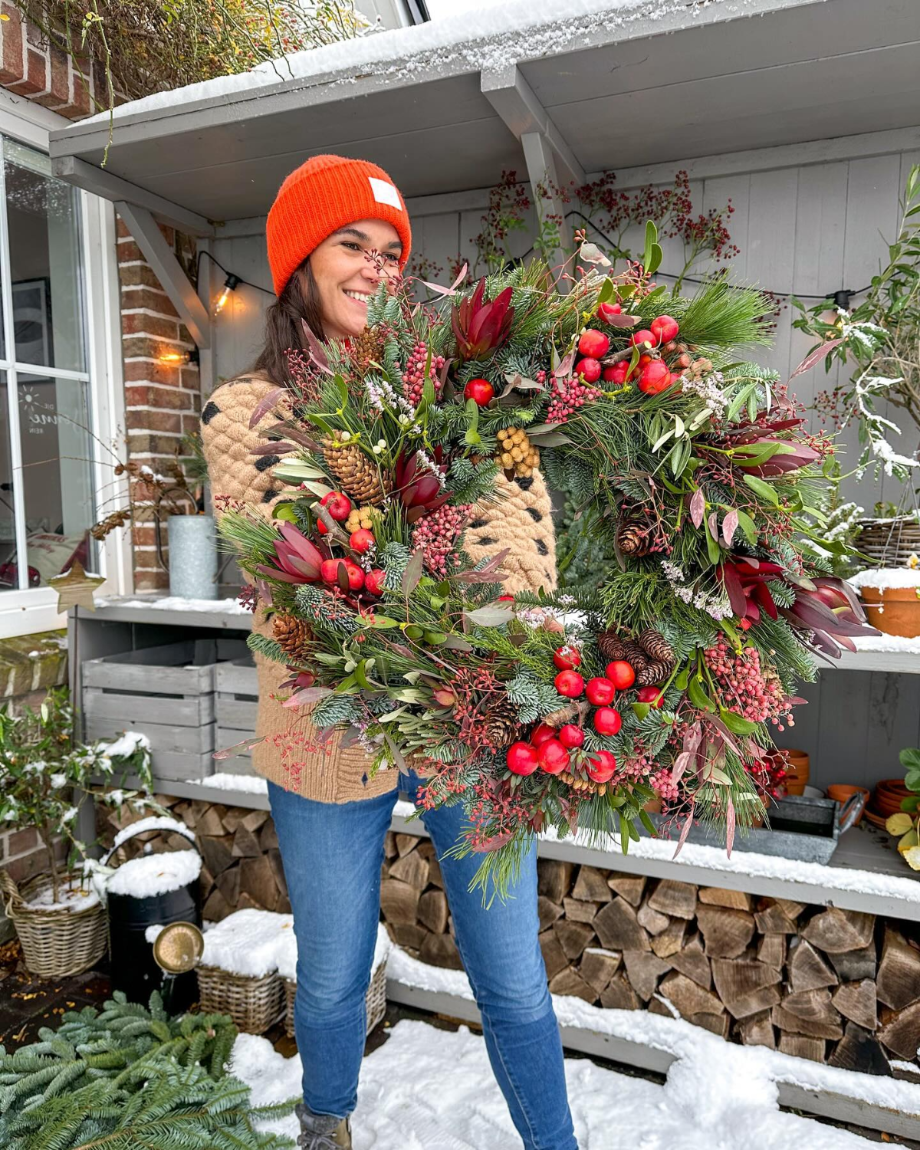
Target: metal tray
(800, 828)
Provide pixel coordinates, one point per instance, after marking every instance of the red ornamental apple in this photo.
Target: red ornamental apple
(361, 540)
(553, 757)
(480, 391)
(542, 732)
(329, 570)
(601, 767)
(373, 581)
(566, 658)
(606, 310)
(621, 674)
(589, 369)
(571, 736)
(653, 695)
(337, 504)
(569, 683)
(607, 720)
(665, 328)
(643, 338)
(600, 691)
(522, 759)
(594, 344)
(654, 377)
(355, 575)
(617, 373)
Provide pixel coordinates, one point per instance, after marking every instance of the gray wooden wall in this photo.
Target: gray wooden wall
(808, 218)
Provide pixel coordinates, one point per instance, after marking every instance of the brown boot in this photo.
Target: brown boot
(322, 1131)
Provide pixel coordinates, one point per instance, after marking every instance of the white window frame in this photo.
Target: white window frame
(28, 610)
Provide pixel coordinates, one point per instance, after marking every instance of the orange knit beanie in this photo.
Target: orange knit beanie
(321, 196)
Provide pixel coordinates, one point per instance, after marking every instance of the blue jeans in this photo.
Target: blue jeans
(332, 854)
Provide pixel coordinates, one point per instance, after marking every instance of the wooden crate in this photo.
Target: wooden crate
(168, 693)
(235, 710)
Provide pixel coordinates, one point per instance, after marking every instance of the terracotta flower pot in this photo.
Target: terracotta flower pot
(840, 792)
(797, 771)
(894, 610)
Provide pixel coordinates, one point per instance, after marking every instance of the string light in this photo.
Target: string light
(230, 284)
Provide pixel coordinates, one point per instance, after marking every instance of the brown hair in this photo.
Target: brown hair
(283, 323)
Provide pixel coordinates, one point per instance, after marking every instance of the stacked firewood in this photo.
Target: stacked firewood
(831, 985)
(242, 863)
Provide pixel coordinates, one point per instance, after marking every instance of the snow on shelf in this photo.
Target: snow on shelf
(891, 644)
(705, 1061)
(151, 875)
(222, 781)
(524, 29)
(431, 1089)
(177, 603)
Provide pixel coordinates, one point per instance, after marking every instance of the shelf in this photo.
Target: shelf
(901, 662)
(866, 873)
(221, 614)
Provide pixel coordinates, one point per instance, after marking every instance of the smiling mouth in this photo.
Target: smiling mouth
(357, 296)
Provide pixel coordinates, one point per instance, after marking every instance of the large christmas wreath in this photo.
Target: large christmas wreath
(702, 483)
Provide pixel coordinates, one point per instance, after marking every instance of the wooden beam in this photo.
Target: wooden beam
(168, 270)
(112, 187)
(512, 97)
(541, 169)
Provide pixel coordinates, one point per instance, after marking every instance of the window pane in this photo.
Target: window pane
(8, 576)
(44, 261)
(57, 474)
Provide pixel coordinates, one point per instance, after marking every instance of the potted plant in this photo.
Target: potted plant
(44, 779)
(906, 823)
(892, 597)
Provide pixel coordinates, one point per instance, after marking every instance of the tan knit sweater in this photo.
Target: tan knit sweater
(290, 754)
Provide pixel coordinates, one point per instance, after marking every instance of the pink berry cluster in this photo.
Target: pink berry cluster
(664, 786)
(567, 396)
(414, 375)
(436, 534)
(747, 688)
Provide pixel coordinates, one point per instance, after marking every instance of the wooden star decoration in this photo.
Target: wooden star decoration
(75, 588)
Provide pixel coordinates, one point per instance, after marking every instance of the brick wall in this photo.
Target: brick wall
(44, 73)
(162, 397)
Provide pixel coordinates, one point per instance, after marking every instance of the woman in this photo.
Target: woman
(336, 227)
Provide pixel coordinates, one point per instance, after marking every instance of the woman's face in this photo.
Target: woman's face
(347, 268)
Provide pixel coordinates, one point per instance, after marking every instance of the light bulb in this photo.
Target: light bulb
(230, 284)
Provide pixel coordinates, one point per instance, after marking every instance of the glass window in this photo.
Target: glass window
(57, 473)
(46, 441)
(44, 252)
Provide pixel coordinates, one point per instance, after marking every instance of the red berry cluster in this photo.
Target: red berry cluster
(414, 375)
(744, 684)
(436, 534)
(567, 396)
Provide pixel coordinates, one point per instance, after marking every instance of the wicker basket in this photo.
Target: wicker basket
(254, 1004)
(376, 1000)
(55, 943)
(889, 542)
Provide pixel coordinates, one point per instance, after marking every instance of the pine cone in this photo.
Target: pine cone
(368, 347)
(611, 645)
(652, 674)
(360, 478)
(656, 646)
(291, 634)
(634, 655)
(503, 723)
(516, 453)
(632, 537)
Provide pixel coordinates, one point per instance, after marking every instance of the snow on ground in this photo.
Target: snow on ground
(520, 29)
(429, 1089)
(693, 1046)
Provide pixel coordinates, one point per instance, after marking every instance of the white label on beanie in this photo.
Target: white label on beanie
(384, 192)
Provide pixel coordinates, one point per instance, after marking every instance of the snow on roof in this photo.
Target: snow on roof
(499, 35)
